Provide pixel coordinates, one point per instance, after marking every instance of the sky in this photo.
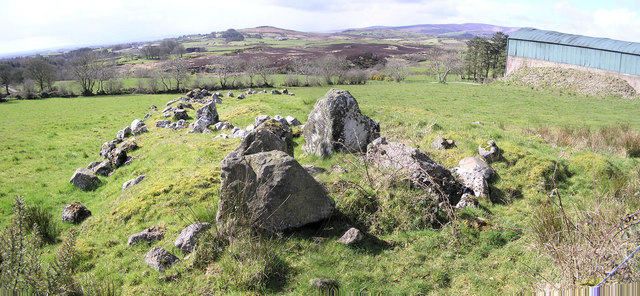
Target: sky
(33, 24)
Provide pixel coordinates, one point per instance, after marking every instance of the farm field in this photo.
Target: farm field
(44, 141)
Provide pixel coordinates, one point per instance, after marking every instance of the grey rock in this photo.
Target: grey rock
(180, 114)
(166, 114)
(229, 94)
(324, 284)
(141, 130)
(442, 143)
(241, 97)
(292, 94)
(250, 127)
(275, 190)
(280, 129)
(148, 235)
(237, 132)
(408, 163)
(336, 124)
(275, 92)
(352, 236)
(221, 136)
(293, 121)
(107, 147)
(92, 165)
(480, 123)
(181, 124)
(222, 126)
(160, 259)
(186, 241)
(153, 107)
(118, 156)
(474, 173)
(217, 100)
(207, 115)
(132, 182)
(103, 168)
(136, 124)
(185, 106)
(313, 170)
(281, 119)
(147, 116)
(171, 102)
(167, 109)
(490, 151)
(260, 119)
(85, 179)
(467, 200)
(262, 140)
(199, 126)
(75, 212)
(123, 133)
(163, 123)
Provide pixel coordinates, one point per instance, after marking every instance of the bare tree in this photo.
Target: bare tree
(6, 76)
(331, 68)
(178, 50)
(225, 67)
(398, 69)
(85, 69)
(104, 72)
(176, 70)
(260, 67)
(42, 72)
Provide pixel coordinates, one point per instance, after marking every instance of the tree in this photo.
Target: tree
(151, 52)
(85, 69)
(331, 68)
(225, 67)
(42, 72)
(398, 69)
(232, 35)
(104, 72)
(178, 71)
(259, 67)
(179, 50)
(6, 76)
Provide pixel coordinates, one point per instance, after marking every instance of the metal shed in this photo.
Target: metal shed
(533, 47)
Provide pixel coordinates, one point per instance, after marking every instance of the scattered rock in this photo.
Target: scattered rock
(480, 123)
(292, 121)
(262, 140)
(92, 165)
(160, 259)
(250, 127)
(241, 97)
(208, 112)
(147, 116)
(123, 133)
(411, 164)
(313, 170)
(352, 236)
(284, 91)
(107, 147)
(132, 182)
(85, 179)
(442, 143)
(248, 182)
(167, 109)
(474, 173)
(103, 168)
(180, 114)
(230, 95)
(490, 151)
(185, 106)
(467, 200)
(153, 107)
(222, 125)
(281, 119)
(167, 114)
(260, 119)
(148, 235)
(186, 241)
(323, 284)
(336, 124)
(280, 129)
(136, 124)
(171, 102)
(221, 136)
(237, 132)
(163, 123)
(338, 169)
(275, 92)
(141, 130)
(75, 212)
(118, 157)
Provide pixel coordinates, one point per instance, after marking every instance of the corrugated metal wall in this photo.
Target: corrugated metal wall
(581, 56)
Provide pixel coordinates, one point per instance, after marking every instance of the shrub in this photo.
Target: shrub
(291, 81)
(47, 227)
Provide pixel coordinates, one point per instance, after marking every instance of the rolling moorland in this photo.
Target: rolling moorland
(561, 209)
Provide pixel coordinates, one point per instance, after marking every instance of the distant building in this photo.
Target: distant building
(539, 48)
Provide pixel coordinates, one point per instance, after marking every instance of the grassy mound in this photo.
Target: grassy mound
(572, 80)
(408, 249)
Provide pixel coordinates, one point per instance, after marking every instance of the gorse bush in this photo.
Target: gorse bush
(44, 220)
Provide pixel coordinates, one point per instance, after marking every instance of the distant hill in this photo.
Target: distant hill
(445, 30)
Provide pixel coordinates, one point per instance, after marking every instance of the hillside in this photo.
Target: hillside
(483, 250)
(467, 30)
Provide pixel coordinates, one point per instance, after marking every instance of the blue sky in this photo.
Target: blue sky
(33, 24)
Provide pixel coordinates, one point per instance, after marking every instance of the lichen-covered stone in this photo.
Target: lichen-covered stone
(75, 212)
(85, 179)
(336, 124)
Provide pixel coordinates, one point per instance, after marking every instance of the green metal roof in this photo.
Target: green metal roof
(553, 37)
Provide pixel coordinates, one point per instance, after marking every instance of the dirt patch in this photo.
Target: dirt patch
(582, 82)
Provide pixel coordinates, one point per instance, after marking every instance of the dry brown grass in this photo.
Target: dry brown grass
(619, 140)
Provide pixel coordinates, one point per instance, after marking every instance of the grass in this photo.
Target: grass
(46, 140)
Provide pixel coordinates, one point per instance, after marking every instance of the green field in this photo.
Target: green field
(44, 141)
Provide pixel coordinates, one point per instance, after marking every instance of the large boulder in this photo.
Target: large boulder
(160, 259)
(75, 212)
(186, 241)
(474, 173)
(103, 168)
(180, 114)
(408, 163)
(281, 130)
(85, 179)
(272, 191)
(123, 133)
(208, 113)
(263, 140)
(107, 147)
(260, 119)
(148, 235)
(118, 157)
(336, 124)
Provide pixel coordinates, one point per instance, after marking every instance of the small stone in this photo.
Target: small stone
(123, 133)
(179, 114)
(293, 121)
(323, 284)
(171, 102)
(136, 124)
(221, 136)
(163, 123)
(103, 168)
(132, 182)
(75, 212)
(85, 179)
(490, 151)
(187, 239)
(467, 200)
(149, 235)
(442, 143)
(241, 97)
(160, 259)
(260, 119)
(313, 170)
(352, 236)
